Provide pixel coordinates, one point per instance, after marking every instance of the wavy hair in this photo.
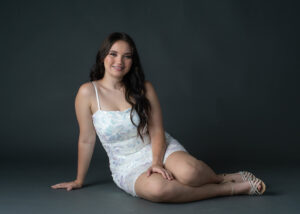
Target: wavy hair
(133, 81)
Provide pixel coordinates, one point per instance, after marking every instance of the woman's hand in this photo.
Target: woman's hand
(68, 185)
(161, 170)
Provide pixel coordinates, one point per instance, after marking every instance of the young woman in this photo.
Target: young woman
(122, 108)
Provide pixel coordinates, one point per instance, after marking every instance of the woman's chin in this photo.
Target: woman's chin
(120, 73)
(117, 74)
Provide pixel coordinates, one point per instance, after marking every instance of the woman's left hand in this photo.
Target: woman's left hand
(161, 170)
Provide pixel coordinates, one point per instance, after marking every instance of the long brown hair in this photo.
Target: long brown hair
(134, 80)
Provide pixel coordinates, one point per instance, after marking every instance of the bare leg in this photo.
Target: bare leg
(190, 171)
(185, 193)
(157, 189)
(193, 172)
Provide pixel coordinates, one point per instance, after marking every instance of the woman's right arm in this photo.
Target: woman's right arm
(87, 137)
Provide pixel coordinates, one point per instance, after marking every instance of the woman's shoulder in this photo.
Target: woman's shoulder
(149, 86)
(86, 89)
(150, 91)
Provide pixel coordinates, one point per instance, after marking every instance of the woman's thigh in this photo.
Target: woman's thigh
(189, 170)
(181, 163)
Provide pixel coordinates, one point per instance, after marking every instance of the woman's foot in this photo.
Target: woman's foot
(236, 177)
(244, 188)
(231, 177)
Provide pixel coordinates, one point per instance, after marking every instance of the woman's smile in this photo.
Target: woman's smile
(118, 68)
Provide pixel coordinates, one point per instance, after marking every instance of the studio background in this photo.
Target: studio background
(226, 74)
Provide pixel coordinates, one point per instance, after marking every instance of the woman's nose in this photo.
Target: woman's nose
(119, 59)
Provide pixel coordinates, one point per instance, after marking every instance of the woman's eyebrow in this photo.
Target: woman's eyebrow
(117, 52)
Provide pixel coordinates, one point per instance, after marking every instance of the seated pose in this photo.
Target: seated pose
(123, 109)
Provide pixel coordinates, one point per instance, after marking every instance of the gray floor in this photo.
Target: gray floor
(25, 189)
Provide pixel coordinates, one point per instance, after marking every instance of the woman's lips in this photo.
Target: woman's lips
(118, 68)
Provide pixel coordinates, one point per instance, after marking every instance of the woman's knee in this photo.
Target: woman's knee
(155, 189)
(158, 191)
(190, 171)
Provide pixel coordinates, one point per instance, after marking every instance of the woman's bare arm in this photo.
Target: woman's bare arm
(155, 126)
(87, 136)
(157, 134)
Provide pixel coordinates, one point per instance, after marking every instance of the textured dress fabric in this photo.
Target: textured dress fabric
(129, 156)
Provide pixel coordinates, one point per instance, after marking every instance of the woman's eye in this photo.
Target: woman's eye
(114, 54)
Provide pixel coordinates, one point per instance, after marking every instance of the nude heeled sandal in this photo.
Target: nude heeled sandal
(248, 176)
(254, 187)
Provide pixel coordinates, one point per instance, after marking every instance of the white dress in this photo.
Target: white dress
(128, 155)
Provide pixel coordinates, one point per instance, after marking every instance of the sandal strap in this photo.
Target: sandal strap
(247, 176)
(254, 187)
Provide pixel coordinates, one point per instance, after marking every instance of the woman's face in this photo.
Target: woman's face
(118, 61)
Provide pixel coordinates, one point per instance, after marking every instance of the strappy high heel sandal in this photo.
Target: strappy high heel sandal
(254, 187)
(248, 176)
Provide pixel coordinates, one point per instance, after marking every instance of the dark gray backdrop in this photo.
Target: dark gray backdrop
(226, 73)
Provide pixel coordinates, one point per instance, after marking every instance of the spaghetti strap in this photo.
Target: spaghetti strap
(96, 95)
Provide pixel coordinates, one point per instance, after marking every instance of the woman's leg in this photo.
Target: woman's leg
(158, 189)
(190, 171)
(233, 177)
(193, 172)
